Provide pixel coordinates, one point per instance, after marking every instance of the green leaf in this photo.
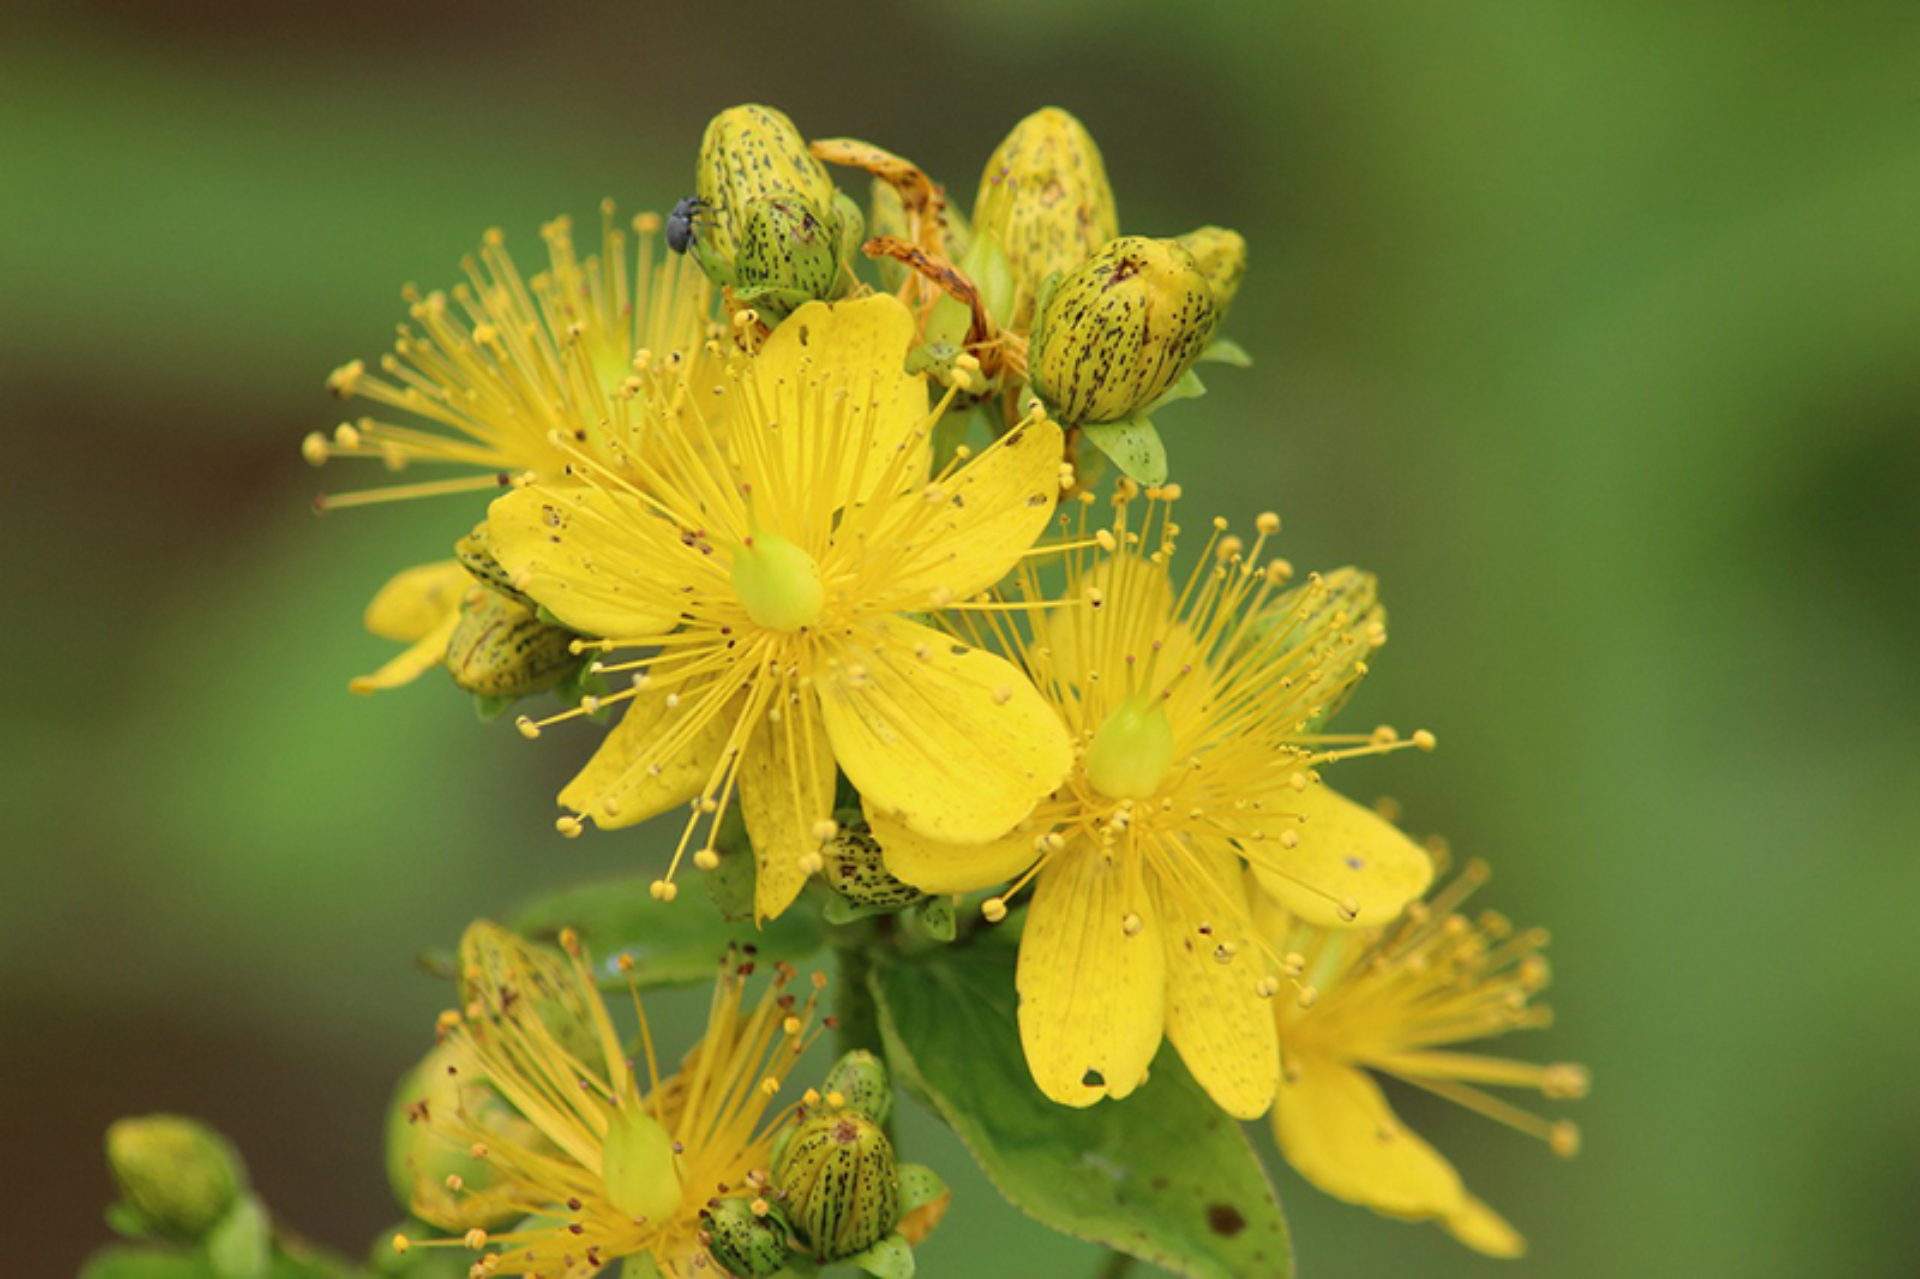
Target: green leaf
(672, 942)
(1187, 386)
(1163, 1175)
(1134, 446)
(889, 1258)
(237, 1245)
(1227, 351)
(935, 916)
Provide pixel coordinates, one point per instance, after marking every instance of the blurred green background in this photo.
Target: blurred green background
(1594, 330)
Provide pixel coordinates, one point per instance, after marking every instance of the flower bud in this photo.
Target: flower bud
(751, 152)
(747, 1243)
(839, 1182)
(422, 1158)
(176, 1173)
(1044, 197)
(860, 1079)
(501, 648)
(1117, 331)
(475, 553)
(856, 869)
(924, 1199)
(1221, 255)
(788, 254)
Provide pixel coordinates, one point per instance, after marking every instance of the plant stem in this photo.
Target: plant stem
(856, 1016)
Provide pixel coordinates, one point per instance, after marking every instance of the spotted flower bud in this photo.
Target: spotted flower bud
(177, 1175)
(841, 1187)
(475, 553)
(1044, 197)
(856, 869)
(788, 254)
(746, 1242)
(1221, 255)
(501, 648)
(1118, 330)
(859, 1080)
(749, 153)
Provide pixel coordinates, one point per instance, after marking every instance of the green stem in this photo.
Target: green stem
(856, 1015)
(1115, 1265)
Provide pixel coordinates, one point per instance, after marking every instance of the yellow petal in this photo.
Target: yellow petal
(1484, 1230)
(952, 741)
(967, 531)
(656, 757)
(603, 565)
(934, 866)
(1216, 1016)
(1091, 995)
(1336, 1129)
(838, 416)
(1347, 855)
(418, 600)
(430, 651)
(786, 790)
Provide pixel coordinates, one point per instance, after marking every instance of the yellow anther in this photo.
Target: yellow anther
(706, 859)
(663, 890)
(994, 909)
(568, 825)
(1423, 740)
(1267, 522)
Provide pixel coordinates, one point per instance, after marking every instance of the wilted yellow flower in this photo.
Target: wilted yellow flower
(767, 577)
(1044, 198)
(1193, 708)
(1398, 1001)
(625, 1156)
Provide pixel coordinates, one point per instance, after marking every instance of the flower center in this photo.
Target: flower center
(1132, 752)
(778, 583)
(636, 1163)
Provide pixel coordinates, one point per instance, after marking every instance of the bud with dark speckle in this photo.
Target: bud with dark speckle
(1118, 330)
(501, 648)
(751, 152)
(1044, 197)
(856, 869)
(747, 1243)
(838, 1179)
(178, 1174)
(859, 1079)
(788, 254)
(1221, 255)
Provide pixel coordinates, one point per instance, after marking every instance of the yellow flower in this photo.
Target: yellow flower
(493, 371)
(1194, 710)
(618, 1163)
(767, 572)
(1396, 1001)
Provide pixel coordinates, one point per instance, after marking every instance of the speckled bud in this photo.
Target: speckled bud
(1221, 255)
(788, 254)
(839, 1182)
(859, 1079)
(1044, 197)
(1325, 630)
(746, 1243)
(178, 1175)
(1120, 329)
(500, 648)
(856, 869)
(751, 152)
(475, 552)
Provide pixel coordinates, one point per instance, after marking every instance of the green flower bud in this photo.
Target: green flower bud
(788, 255)
(1044, 197)
(1221, 255)
(177, 1174)
(838, 1180)
(475, 553)
(501, 648)
(432, 1175)
(745, 1242)
(751, 152)
(856, 869)
(1113, 334)
(859, 1080)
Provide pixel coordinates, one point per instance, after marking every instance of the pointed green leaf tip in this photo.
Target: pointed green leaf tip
(1163, 1176)
(1135, 447)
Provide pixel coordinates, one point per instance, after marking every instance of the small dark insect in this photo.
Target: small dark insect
(682, 223)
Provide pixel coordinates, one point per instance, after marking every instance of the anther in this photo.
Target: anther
(1267, 522)
(663, 890)
(528, 729)
(568, 826)
(706, 858)
(994, 909)
(1423, 740)
(825, 829)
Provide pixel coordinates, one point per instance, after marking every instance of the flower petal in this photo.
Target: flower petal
(1216, 1016)
(1335, 1127)
(416, 601)
(656, 758)
(934, 866)
(952, 741)
(1347, 855)
(835, 406)
(1484, 1230)
(786, 789)
(968, 530)
(1091, 996)
(603, 564)
(428, 652)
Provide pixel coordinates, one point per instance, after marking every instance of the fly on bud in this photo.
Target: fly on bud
(1044, 198)
(1221, 255)
(501, 648)
(1112, 335)
(837, 1177)
(744, 1242)
(178, 1176)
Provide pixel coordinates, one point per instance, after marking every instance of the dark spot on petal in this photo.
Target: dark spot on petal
(1093, 1079)
(1225, 1220)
